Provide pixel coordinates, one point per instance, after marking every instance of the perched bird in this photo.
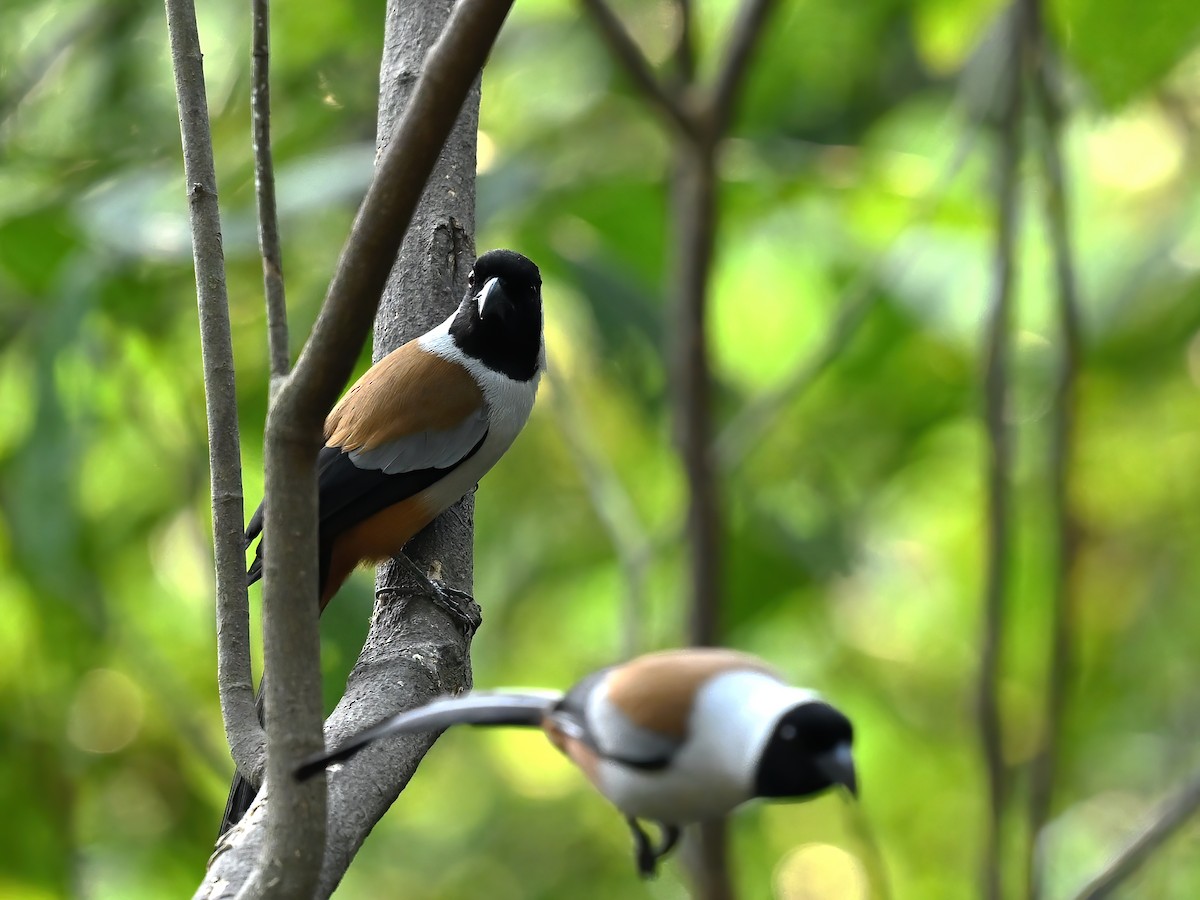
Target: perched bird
(673, 738)
(419, 429)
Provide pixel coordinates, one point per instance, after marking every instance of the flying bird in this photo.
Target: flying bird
(419, 429)
(672, 738)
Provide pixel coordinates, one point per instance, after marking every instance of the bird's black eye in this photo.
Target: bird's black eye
(471, 278)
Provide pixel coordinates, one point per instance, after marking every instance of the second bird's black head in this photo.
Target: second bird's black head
(499, 321)
(808, 751)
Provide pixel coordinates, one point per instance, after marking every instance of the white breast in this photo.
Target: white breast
(508, 403)
(713, 771)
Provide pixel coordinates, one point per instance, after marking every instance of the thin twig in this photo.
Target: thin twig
(685, 45)
(747, 28)
(997, 339)
(1045, 763)
(264, 191)
(296, 814)
(751, 424)
(1169, 816)
(637, 67)
(245, 735)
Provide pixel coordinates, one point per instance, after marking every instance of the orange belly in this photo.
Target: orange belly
(380, 537)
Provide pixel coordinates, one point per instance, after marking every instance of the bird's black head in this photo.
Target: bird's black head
(499, 321)
(808, 751)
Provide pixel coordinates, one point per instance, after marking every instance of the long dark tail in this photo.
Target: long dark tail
(525, 709)
(253, 530)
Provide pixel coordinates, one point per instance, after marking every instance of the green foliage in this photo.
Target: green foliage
(854, 520)
(1124, 48)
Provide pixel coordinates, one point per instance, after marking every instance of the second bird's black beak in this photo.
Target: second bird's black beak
(838, 766)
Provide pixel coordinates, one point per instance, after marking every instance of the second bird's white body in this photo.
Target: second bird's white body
(712, 770)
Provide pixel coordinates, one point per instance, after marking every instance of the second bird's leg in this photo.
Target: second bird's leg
(670, 837)
(648, 854)
(643, 850)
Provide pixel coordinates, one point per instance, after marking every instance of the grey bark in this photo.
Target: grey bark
(242, 730)
(264, 192)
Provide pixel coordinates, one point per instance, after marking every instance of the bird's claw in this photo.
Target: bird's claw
(648, 854)
(459, 605)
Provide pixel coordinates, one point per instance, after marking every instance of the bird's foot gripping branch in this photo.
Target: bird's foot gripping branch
(460, 606)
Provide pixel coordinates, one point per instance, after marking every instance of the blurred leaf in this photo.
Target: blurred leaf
(34, 247)
(1123, 47)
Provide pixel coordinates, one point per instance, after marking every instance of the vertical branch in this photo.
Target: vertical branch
(693, 226)
(242, 730)
(295, 839)
(997, 337)
(748, 27)
(1045, 764)
(693, 220)
(685, 45)
(698, 118)
(264, 191)
(695, 223)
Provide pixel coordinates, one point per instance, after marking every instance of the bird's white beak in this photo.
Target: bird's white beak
(484, 292)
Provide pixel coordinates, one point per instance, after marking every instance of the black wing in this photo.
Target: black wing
(347, 494)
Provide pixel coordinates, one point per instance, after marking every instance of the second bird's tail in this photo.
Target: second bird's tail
(523, 709)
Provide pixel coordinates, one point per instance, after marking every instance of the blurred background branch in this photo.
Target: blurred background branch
(635, 65)
(1064, 627)
(48, 55)
(701, 116)
(997, 350)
